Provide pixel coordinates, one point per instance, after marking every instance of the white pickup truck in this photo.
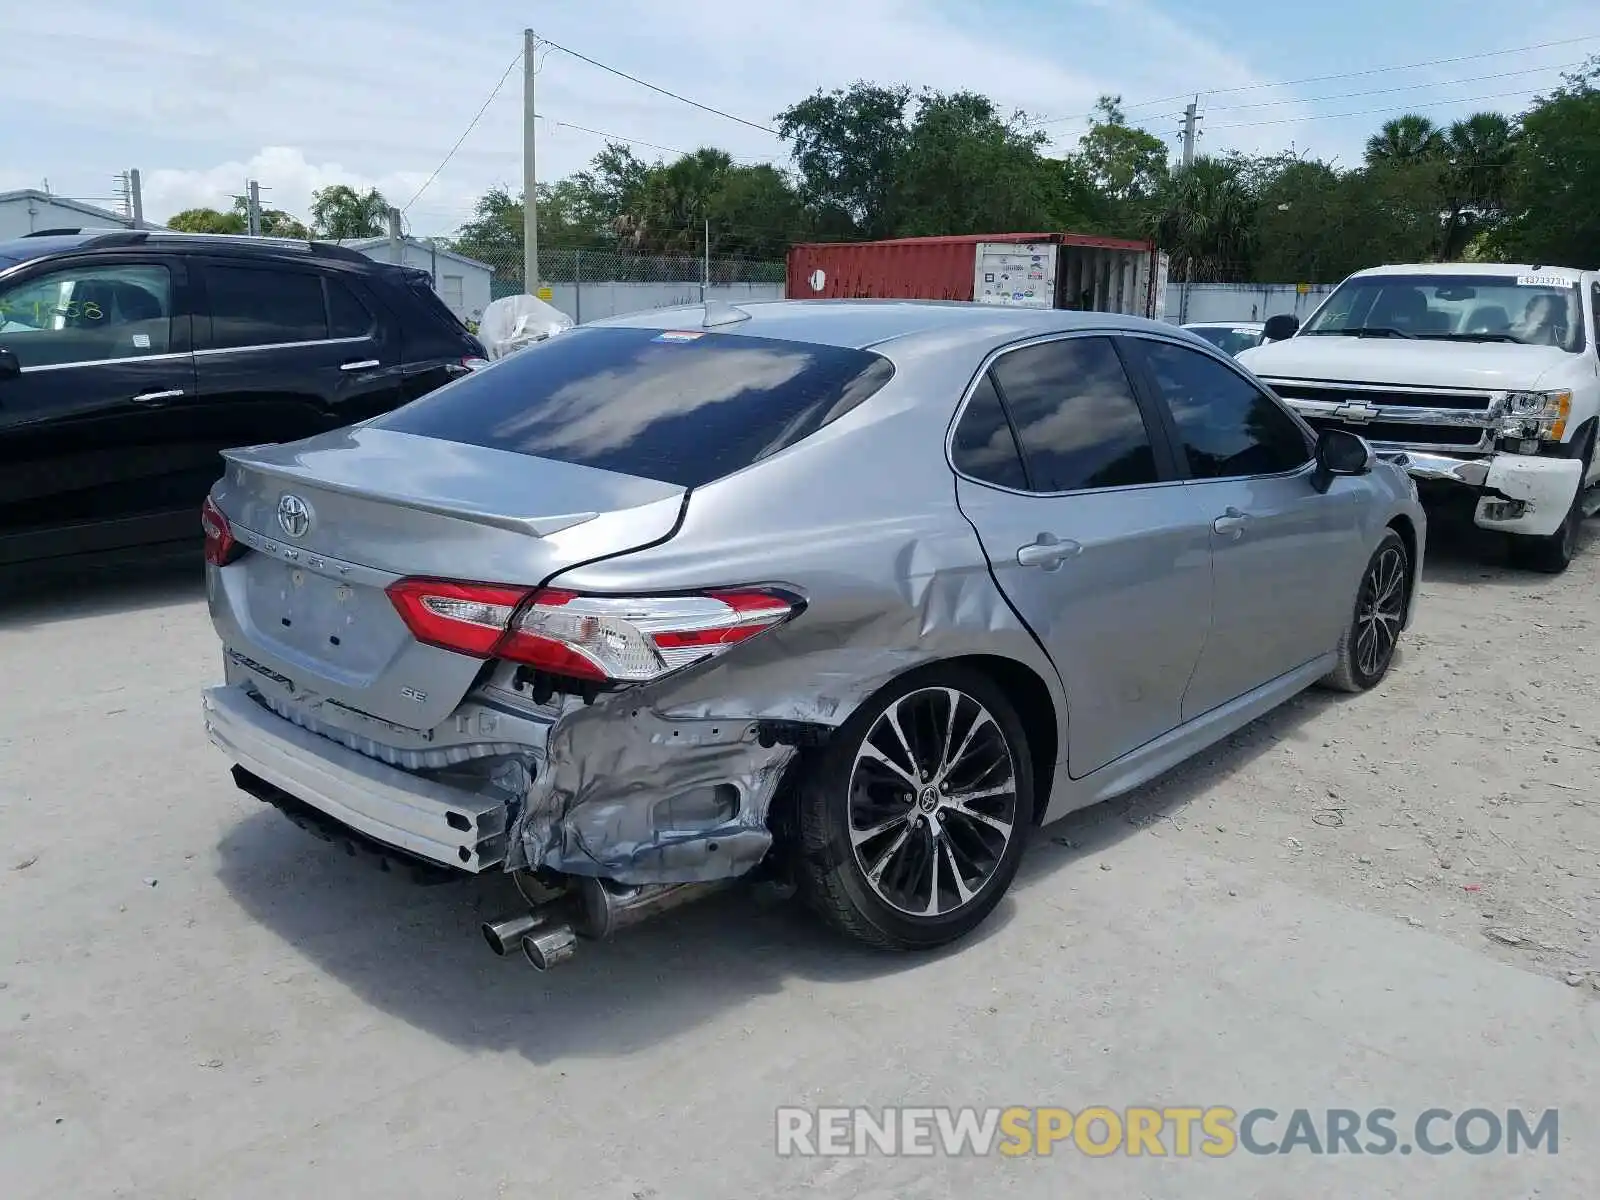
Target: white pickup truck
(1482, 379)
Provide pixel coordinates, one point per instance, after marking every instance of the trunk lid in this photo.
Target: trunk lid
(331, 521)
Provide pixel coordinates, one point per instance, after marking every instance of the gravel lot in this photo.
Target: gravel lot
(1382, 901)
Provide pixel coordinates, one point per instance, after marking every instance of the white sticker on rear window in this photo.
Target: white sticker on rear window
(1546, 281)
(677, 335)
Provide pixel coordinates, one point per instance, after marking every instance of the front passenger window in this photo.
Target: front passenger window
(88, 314)
(1226, 425)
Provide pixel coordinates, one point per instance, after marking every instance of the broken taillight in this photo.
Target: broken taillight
(221, 548)
(598, 638)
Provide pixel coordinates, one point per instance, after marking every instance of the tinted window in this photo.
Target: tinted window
(252, 307)
(1226, 425)
(1075, 413)
(85, 314)
(684, 408)
(347, 316)
(983, 446)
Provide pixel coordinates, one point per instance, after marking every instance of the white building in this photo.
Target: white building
(462, 282)
(32, 211)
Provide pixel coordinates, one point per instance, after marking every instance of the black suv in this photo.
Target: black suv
(128, 360)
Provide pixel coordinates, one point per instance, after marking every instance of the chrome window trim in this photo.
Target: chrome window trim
(108, 362)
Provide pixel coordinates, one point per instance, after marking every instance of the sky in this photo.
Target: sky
(298, 94)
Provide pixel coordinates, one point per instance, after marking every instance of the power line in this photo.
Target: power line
(1388, 91)
(471, 125)
(1254, 87)
(656, 88)
(1367, 112)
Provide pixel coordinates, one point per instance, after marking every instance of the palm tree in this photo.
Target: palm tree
(1205, 216)
(1478, 153)
(1404, 140)
(339, 211)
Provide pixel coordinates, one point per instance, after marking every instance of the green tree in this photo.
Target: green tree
(848, 146)
(1408, 139)
(207, 220)
(1554, 213)
(1205, 216)
(1126, 165)
(965, 169)
(339, 211)
(1478, 153)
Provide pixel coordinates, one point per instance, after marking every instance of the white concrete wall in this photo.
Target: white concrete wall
(475, 280)
(1240, 301)
(593, 301)
(23, 215)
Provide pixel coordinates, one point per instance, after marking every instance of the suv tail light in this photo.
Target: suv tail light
(221, 548)
(609, 639)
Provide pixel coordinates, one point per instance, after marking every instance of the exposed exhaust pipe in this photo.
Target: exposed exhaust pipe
(609, 907)
(550, 947)
(505, 935)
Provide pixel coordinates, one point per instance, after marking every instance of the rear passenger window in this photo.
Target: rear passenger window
(254, 307)
(1226, 425)
(1076, 415)
(983, 447)
(347, 316)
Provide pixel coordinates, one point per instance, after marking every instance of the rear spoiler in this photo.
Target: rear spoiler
(541, 526)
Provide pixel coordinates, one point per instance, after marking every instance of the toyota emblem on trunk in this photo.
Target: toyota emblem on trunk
(294, 515)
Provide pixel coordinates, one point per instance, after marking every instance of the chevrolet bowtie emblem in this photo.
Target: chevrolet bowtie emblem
(1358, 412)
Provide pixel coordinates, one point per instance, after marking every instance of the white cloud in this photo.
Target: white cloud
(300, 94)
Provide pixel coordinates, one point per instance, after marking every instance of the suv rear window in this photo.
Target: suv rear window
(680, 407)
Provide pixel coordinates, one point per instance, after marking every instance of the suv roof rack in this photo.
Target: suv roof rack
(140, 237)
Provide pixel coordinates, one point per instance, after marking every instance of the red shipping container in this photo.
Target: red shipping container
(942, 268)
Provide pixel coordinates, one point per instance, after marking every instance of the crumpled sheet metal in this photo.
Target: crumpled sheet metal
(600, 803)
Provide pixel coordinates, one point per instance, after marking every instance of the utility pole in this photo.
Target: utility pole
(253, 208)
(1191, 117)
(395, 255)
(136, 198)
(530, 177)
(705, 278)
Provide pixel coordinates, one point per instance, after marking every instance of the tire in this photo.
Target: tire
(1553, 554)
(1366, 649)
(870, 843)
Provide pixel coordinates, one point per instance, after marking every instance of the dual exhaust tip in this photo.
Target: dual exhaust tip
(542, 944)
(605, 909)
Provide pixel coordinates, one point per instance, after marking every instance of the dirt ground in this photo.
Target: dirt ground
(1460, 796)
(1384, 899)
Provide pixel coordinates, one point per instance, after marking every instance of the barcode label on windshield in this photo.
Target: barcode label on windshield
(1545, 281)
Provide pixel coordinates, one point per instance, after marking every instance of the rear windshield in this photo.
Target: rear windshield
(680, 407)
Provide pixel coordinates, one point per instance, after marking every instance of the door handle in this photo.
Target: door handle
(1047, 551)
(1231, 524)
(158, 398)
(363, 365)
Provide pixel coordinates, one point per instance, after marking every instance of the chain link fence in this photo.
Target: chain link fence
(590, 284)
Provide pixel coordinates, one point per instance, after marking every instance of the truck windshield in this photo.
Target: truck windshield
(1533, 310)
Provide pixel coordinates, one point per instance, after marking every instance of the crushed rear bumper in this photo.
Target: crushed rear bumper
(448, 826)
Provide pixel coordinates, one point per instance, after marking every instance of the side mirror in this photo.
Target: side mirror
(1340, 453)
(10, 364)
(1280, 328)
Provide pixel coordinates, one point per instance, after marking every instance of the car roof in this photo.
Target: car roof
(864, 324)
(27, 249)
(1572, 274)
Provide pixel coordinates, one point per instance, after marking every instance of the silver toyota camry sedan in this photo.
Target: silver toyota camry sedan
(853, 594)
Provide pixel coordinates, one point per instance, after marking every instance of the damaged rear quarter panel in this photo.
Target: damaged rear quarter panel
(885, 595)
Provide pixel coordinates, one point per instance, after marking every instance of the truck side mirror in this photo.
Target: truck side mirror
(1280, 328)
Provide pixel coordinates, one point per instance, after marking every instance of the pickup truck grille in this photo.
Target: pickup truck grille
(1398, 417)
